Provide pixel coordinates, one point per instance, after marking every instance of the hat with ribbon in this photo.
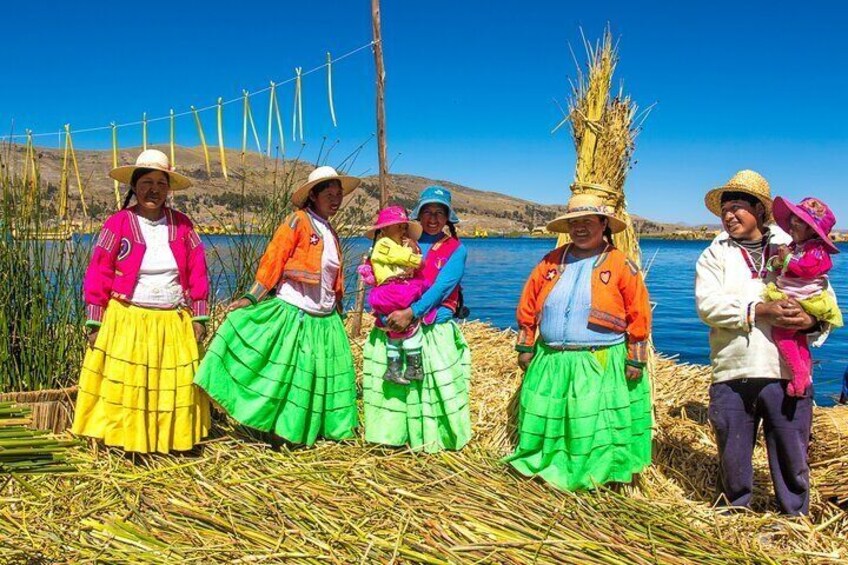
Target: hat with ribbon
(319, 175)
(580, 205)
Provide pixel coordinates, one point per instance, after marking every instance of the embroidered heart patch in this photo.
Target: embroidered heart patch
(605, 277)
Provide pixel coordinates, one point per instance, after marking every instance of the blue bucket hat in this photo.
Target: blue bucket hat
(435, 195)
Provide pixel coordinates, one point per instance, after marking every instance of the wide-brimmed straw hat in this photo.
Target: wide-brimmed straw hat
(580, 205)
(155, 160)
(435, 195)
(390, 216)
(747, 181)
(318, 176)
(812, 212)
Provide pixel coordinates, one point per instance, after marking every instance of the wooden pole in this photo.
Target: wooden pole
(381, 103)
(359, 305)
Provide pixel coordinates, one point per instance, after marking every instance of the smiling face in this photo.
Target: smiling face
(433, 218)
(326, 199)
(587, 232)
(151, 190)
(741, 219)
(800, 230)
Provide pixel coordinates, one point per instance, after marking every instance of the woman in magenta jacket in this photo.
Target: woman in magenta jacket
(146, 291)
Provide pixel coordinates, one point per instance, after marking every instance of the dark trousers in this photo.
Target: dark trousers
(736, 409)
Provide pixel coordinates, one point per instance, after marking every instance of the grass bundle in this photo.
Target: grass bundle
(604, 129)
(242, 501)
(25, 451)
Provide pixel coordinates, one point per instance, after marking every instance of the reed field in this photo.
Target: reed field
(241, 498)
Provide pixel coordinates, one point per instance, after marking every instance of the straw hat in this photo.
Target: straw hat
(318, 176)
(393, 215)
(747, 181)
(155, 160)
(580, 205)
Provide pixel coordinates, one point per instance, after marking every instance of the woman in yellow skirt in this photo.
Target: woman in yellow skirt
(146, 291)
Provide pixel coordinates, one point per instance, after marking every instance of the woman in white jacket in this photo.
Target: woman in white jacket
(749, 382)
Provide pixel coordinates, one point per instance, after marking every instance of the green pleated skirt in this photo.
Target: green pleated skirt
(275, 368)
(581, 422)
(430, 415)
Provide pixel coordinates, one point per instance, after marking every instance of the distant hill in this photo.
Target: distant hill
(213, 199)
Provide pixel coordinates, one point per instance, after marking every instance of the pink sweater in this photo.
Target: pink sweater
(114, 266)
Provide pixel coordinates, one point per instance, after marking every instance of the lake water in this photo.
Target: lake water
(497, 269)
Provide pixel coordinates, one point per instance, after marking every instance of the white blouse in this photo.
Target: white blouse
(158, 283)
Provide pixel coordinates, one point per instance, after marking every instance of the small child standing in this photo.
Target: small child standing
(393, 272)
(803, 266)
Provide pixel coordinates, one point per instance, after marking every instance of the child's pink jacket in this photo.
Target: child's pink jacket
(114, 266)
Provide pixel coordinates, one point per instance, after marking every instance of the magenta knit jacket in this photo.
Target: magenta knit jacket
(116, 260)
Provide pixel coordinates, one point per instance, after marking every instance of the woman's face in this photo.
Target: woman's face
(587, 232)
(328, 201)
(433, 218)
(151, 190)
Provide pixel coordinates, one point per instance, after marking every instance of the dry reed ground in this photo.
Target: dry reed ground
(239, 500)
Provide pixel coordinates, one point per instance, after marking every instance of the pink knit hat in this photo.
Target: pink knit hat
(392, 215)
(812, 212)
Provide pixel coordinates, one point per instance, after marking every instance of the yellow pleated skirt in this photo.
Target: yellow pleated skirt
(136, 388)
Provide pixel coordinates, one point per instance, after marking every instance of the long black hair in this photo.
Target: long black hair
(137, 174)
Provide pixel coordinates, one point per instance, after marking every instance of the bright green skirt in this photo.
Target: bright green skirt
(581, 422)
(276, 368)
(429, 415)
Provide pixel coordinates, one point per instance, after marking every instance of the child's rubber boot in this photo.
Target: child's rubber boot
(414, 371)
(394, 372)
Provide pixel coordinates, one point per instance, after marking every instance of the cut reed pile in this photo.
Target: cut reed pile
(239, 500)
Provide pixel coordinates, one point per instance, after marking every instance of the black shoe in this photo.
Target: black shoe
(414, 371)
(394, 372)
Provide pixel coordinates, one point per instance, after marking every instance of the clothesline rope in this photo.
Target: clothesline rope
(214, 106)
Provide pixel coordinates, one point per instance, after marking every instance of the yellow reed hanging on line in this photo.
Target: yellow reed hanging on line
(297, 117)
(330, 88)
(253, 124)
(115, 163)
(76, 170)
(173, 141)
(144, 131)
(202, 141)
(221, 137)
(270, 117)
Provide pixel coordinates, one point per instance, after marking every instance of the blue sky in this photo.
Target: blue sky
(470, 86)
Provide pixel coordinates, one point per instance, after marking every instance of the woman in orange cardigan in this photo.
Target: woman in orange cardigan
(585, 413)
(281, 361)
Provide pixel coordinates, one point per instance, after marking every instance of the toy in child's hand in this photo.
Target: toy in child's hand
(366, 271)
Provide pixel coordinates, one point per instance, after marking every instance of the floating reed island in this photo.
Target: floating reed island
(241, 499)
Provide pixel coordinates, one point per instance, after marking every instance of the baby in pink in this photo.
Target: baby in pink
(803, 266)
(393, 271)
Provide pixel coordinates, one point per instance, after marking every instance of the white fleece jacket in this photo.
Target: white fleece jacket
(726, 294)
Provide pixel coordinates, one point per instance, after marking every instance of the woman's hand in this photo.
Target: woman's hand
(632, 373)
(92, 336)
(199, 331)
(399, 320)
(524, 360)
(240, 303)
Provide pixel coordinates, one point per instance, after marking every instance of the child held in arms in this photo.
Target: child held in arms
(393, 272)
(802, 268)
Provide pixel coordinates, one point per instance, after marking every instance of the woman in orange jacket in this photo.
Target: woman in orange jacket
(585, 412)
(281, 361)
